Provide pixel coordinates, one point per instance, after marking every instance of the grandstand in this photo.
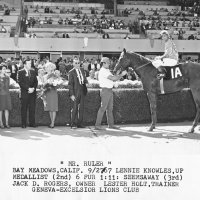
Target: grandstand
(43, 25)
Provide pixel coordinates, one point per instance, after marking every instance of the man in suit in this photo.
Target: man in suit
(77, 92)
(27, 80)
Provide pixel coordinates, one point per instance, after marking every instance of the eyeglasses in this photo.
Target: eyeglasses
(76, 63)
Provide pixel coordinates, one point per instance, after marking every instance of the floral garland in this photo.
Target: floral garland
(92, 84)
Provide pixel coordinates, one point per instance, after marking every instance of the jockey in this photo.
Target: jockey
(169, 58)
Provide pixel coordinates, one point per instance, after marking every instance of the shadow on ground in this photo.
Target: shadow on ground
(132, 131)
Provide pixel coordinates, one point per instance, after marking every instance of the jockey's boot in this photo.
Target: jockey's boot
(161, 73)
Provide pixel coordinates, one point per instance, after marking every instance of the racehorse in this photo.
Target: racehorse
(144, 68)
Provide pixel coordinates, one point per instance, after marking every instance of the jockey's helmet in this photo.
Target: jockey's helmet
(164, 32)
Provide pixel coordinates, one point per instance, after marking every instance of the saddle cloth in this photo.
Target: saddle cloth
(173, 72)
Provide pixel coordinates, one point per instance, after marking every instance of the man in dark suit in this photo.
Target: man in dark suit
(27, 80)
(77, 93)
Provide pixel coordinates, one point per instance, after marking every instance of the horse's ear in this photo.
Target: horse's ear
(124, 50)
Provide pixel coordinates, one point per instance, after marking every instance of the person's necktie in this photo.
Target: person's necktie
(29, 73)
(80, 76)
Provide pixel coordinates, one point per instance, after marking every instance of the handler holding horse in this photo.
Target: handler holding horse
(169, 58)
(190, 78)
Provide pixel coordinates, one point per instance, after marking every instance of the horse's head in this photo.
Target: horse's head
(123, 62)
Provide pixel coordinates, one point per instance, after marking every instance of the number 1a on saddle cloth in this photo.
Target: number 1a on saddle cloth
(173, 72)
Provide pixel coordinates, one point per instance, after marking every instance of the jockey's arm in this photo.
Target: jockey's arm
(168, 51)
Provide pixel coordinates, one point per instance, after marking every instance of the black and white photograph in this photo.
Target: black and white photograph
(99, 99)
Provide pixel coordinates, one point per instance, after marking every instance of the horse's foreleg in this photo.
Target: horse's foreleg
(153, 107)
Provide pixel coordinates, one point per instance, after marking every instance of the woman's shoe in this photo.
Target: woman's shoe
(7, 126)
(51, 126)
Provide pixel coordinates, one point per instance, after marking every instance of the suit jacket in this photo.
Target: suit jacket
(26, 82)
(89, 67)
(74, 85)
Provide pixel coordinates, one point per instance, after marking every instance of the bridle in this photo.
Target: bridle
(142, 66)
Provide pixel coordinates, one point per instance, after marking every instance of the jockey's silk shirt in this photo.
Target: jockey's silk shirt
(171, 50)
(104, 82)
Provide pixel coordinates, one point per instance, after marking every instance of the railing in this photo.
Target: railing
(94, 45)
(75, 5)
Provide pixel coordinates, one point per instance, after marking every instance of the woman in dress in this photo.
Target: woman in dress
(51, 96)
(5, 103)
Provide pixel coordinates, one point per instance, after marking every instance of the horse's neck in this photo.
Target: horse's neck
(141, 65)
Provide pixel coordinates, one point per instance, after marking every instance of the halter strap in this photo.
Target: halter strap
(143, 65)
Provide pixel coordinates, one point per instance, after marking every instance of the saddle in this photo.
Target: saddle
(172, 72)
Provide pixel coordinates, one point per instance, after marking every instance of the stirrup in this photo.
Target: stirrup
(160, 76)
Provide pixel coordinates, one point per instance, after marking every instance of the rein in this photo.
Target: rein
(143, 65)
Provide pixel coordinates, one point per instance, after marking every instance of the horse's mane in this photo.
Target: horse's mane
(142, 58)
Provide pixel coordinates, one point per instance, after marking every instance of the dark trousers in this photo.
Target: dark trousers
(28, 104)
(77, 109)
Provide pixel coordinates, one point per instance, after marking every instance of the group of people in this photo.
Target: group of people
(28, 82)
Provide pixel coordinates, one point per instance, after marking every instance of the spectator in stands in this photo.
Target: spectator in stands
(32, 35)
(98, 63)
(31, 22)
(55, 35)
(36, 9)
(126, 12)
(11, 64)
(169, 58)
(62, 68)
(91, 75)
(3, 29)
(69, 65)
(41, 64)
(41, 23)
(50, 20)
(92, 65)
(127, 37)
(85, 66)
(180, 36)
(65, 35)
(60, 21)
(75, 31)
(176, 32)
(181, 31)
(40, 77)
(93, 11)
(105, 36)
(25, 11)
(62, 10)
(191, 37)
(7, 11)
(5, 103)
(85, 30)
(45, 20)
(130, 75)
(46, 9)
